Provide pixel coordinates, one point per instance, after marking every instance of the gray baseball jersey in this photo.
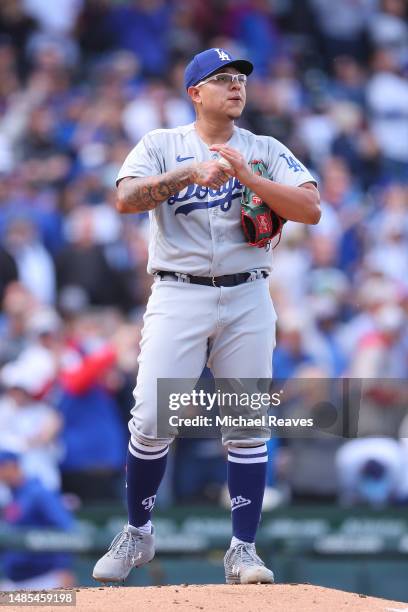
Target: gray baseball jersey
(198, 230)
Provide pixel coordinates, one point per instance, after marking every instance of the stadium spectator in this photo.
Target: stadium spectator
(31, 424)
(370, 471)
(60, 18)
(142, 27)
(32, 506)
(93, 436)
(84, 263)
(388, 28)
(388, 114)
(154, 108)
(18, 304)
(348, 80)
(292, 352)
(93, 29)
(252, 25)
(35, 265)
(307, 465)
(17, 27)
(382, 352)
(343, 27)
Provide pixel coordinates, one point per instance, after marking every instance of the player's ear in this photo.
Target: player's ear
(195, 94)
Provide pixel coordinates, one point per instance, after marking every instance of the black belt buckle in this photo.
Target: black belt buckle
(214, 282)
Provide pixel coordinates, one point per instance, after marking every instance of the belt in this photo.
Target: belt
(228, 280)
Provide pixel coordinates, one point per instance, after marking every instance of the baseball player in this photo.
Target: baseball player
(210, 301)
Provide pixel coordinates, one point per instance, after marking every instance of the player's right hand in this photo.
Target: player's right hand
(210, 174)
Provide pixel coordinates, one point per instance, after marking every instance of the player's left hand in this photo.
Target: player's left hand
(241, 168)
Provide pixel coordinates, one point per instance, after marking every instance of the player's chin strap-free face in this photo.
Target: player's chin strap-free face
(259, 222)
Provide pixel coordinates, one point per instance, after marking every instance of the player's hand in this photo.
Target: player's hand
(237, 161)
(210, 174)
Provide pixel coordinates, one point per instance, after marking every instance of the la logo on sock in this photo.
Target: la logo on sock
(239, 502)
(149, 502)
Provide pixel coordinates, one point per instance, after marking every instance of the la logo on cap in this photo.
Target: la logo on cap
(223, 55)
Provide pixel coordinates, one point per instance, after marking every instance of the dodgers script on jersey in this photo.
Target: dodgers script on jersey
(198, 230)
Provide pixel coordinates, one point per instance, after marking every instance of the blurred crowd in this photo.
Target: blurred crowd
(81, 81)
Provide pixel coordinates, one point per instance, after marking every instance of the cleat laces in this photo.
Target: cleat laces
(124, 545)
(247, 556)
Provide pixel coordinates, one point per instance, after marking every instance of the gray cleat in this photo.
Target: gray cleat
(243, 566)
(129, 549)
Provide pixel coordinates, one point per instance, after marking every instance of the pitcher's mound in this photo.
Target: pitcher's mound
(224, 598)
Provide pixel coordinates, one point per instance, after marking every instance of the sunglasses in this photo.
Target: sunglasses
(226, 78)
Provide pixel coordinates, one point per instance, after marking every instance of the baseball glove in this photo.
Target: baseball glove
(259, 222)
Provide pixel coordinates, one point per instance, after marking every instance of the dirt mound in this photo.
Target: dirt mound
(223, 598)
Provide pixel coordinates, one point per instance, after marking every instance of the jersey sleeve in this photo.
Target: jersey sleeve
(143, 160)
(285, 168)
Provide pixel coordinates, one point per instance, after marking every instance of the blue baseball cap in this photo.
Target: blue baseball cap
(205, 63)
(7, 455)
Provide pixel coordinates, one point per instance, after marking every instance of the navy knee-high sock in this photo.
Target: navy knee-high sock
(145, 467)
(246, 483)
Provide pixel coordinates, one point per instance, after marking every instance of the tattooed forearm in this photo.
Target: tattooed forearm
(141, 194)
